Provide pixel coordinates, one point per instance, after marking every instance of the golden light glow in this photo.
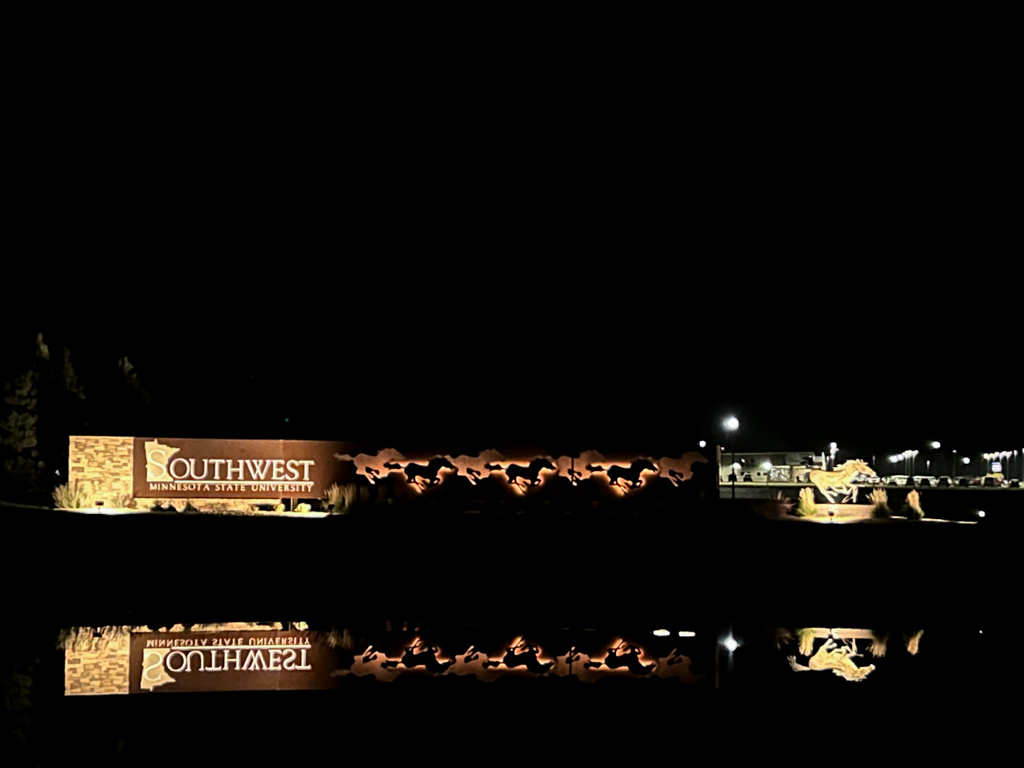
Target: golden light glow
(623, 657)
(528, 474)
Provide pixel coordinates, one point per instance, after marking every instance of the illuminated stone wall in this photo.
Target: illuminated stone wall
(104, 466)
(96, 666)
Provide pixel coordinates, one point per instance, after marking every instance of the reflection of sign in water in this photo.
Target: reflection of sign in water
(169, 662)
(837, 655)
(154, 669)
(522, 658)
(838, 651)
(259, 660)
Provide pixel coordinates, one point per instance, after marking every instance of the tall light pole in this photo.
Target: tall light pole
(832, 451)
(732, 424)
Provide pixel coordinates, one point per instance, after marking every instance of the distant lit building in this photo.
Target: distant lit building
(773, 466)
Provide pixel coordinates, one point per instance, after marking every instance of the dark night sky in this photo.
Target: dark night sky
(622, 281)
(609, 352)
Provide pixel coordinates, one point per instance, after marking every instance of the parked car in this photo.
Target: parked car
(925, 481)
(945, 481)
(900, 480)
(1015, 483)
(962, 481)
(989, 481)
(869, 480)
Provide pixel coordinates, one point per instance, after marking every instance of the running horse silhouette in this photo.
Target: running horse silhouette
(630, 475)
(423, 475)
(421, 654)
(522, 654)
(624, 655)
(530, 474)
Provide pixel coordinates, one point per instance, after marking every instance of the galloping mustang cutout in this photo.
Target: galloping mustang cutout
(524, 475)
(840, 480)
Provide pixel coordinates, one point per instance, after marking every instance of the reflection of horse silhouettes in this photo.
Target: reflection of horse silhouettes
(370, 662)
(476, 663)
(529, 475)
(676, 665)
(421, 654)
(522, 654)
(576, 664)
(630, 475)
(423, 474)
(626, 656)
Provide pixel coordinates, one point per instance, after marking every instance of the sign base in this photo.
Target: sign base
(841, 513)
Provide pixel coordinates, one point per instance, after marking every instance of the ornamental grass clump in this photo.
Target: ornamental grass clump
(912, 506)
(340, 498)
(70, 496)
(777, 507)
(807, 507)
(806, 638)
(880, 501)
(122, 501)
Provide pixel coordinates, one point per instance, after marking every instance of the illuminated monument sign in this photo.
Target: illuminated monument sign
(259, 469)
(174, 468)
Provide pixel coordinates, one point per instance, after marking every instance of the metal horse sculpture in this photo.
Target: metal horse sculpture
(840, 480)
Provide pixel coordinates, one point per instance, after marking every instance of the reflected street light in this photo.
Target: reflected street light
(732, 424)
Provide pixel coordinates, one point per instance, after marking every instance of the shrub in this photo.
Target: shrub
(341, 496)
(122, 501)
(70, 496)
(912, 506)
(880, 501)
(807, 507)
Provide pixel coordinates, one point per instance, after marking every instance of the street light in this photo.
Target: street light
(732, 424)
(936, 445)
(767, 467)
